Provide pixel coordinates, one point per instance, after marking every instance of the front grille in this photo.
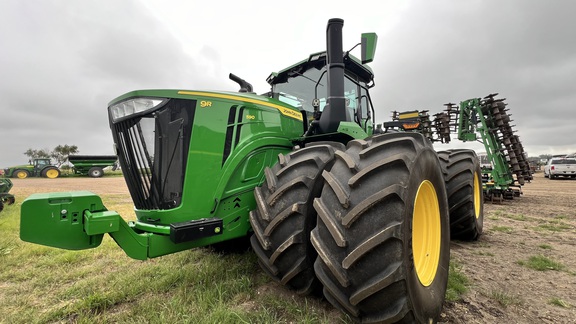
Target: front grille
(153, 152)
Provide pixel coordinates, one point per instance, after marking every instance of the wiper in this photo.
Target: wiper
(307, 78)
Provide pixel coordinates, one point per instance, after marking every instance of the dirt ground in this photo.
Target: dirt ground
(542, 222)
(502, 288)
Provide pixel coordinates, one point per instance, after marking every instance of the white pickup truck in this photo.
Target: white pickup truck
(560, 167)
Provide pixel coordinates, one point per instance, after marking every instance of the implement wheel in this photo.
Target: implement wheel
(51, 173)
(95, 172)
(462, 175)
(382, 236)
(285, 216)
(21, 174)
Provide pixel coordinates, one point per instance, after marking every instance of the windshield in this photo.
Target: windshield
(301, 89)
(563, 161)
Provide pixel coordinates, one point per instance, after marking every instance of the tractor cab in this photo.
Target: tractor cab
(305, 85)
(40, 164)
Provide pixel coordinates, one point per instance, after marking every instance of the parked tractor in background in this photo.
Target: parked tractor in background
(5, 197)
(326, 202)
(92, 165)
(35, 168)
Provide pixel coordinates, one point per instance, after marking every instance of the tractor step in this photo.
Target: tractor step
(196, 229)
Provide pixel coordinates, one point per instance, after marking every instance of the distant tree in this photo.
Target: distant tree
(37, 154)
(61, 152)
(545, 156)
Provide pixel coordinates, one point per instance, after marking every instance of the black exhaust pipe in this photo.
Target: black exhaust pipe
(335, 110)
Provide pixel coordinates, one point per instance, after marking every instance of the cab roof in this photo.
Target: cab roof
(318, 61)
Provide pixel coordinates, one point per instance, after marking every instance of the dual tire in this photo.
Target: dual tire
(285, 216)
(379, 230)
(463, 177)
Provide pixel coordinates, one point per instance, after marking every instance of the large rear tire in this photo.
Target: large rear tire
(463, 179)
(285, 216)
(51, 173)
(382, 234)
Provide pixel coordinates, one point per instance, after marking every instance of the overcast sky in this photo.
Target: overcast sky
(61, 62)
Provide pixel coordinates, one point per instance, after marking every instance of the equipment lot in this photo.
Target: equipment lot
(541, 224)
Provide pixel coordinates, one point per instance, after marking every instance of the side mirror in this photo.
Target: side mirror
(368, 44)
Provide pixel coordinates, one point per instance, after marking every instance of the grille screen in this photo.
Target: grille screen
(153, 152)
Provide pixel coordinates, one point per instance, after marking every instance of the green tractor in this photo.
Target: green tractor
(36, 168)
(327, 203)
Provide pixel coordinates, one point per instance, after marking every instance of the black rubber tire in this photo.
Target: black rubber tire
(8, 199)
(364, 234)
(95, 172)
(463, 177)
(21, 174)
(285, 217)
(53, 170)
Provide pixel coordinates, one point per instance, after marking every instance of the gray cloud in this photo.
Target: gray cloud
(61, 62)
(454, 50)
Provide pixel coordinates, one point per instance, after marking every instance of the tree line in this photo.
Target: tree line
(58, 154)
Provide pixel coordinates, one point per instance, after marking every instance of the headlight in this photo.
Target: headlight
(133, 106)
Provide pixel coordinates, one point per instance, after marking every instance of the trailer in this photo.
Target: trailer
(92, 165)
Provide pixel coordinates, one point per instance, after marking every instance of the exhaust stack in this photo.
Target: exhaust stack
(335, 110)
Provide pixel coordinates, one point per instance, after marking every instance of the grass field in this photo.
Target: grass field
(41, 284)
(46, 285)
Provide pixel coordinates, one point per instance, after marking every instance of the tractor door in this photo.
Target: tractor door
(39, 165)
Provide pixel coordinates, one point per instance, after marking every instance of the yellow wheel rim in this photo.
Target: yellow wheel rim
(52, 173)
(21, 175)
(477, 195)
(426, 233)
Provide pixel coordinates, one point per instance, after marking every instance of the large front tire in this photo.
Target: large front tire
(21, 174)
(285, 216)
(382, 234)
(463, 178)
